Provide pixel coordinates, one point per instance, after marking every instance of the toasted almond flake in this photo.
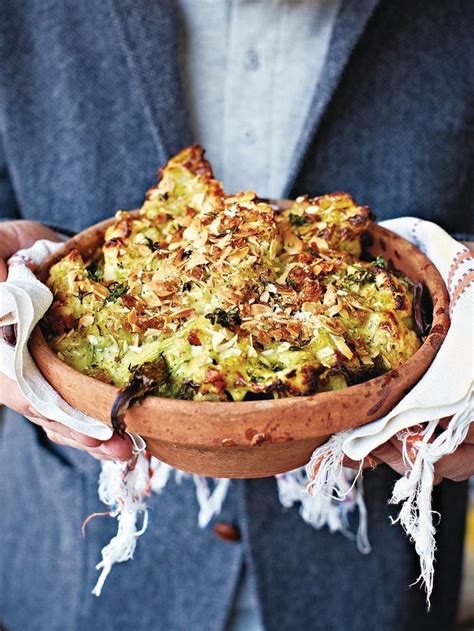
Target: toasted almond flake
(311, 307)
(86, 321)
(284, 346)
(229, 343)
(152, 332)
(319, 244)
(181, 313)
(334, 310)
(217, 339)
(238, 255)
(330, 296)
(271, 288)
(268, 352)
(342, 346)
(174, 246)
(251, 352)
(324, 353)
(292, 244)
(196, 351)
(258, 309)
(99, 291)
(274, 248)
(231, 352)
(265, 297)
(215, 225)
(197, 200)
(195, 260)
(225, 252)
(132, 316)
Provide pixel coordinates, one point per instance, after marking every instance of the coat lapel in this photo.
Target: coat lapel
(348, 28)
(148, 32)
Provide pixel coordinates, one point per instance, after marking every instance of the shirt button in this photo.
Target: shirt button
(251, 59)
(248, 136)
(227, 532)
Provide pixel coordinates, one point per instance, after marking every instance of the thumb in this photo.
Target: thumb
(3, 270)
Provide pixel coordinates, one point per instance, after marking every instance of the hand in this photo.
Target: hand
(457, 466)
(14, 236)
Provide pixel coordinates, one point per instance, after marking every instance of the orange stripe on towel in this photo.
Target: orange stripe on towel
(461, 288)
(458, 259)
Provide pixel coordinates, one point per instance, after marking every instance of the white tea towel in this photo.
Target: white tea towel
(23, 302)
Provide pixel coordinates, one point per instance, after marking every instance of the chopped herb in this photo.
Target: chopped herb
(298, 220)
(360, 276)
(187, 391)
(291, 283)
(187, 286)
(187, 254)
(93, 272)
(81, 295)
(225, 318)
(117, 291)
(379, 261)
(152, 244)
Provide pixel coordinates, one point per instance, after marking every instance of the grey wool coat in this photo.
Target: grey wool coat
(90, 105)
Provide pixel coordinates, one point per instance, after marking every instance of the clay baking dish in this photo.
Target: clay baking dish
(252, 439)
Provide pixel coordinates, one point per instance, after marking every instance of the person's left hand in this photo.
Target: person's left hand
(457, 466)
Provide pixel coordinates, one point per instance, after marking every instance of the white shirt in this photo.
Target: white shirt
(250, 70)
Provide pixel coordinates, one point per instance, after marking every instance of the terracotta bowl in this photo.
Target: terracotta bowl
(256, 438)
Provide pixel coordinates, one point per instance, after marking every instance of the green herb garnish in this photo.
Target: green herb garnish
(225, 318)
(298, 220)
(93, 272)
(292, 284)
(152, 244)
(81, 295)
(117, 291)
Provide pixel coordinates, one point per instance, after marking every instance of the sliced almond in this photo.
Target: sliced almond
(342, 346)
(85, 321)
(292, 243)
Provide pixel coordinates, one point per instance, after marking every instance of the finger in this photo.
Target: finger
(470, 433)
(66, 432)
(458, 466)
(119, 448)
(60, 439)
(390, 455)
(115, 448)
(3, 270)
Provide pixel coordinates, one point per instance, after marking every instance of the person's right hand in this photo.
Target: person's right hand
(15, 235)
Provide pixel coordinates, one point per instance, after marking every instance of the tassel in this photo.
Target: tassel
(210, 503)
(415, 488)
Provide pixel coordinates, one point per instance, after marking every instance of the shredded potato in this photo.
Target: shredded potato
(241, 301)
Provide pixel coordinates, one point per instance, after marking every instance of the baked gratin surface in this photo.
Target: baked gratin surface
(220, 298)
